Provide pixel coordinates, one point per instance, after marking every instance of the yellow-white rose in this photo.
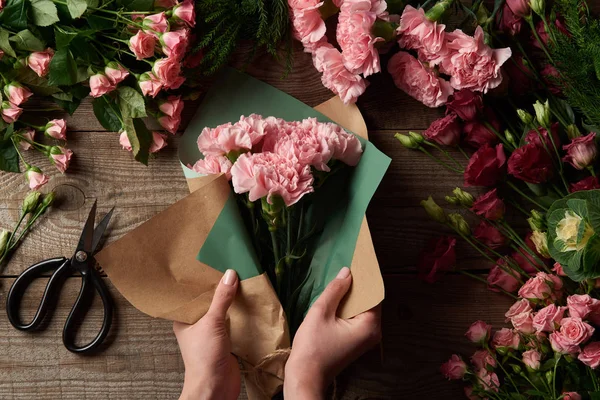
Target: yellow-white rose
(567, 230)
(540, 240)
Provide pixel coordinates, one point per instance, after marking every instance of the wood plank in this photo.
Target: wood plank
(422, 327)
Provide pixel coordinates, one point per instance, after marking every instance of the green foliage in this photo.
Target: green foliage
(131, 102)
(5, 43)
(224, 23)
(77, 7)
(9, 158)
(27, 41)
(140, 138)
(63, 69)
(107, 112)
(44, 12)
(14, 14)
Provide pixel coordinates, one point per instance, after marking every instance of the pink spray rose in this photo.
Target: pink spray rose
(571, 396)
(489, 206)
(466, 104)
(308, 25)
(168, 71)
(479, 332)
(521, 306)
(175, 43)
(61, 157)
(10, 112)
(542, 286)
(35, 178)
(481, 359)
(159, 141)
(455, 368)
(444, 131)
(488, 380)
(506, 338)
(336, 77)
(124, 141)
(269, 174)
(172, 106)
(438, 256)
(115, 72)
(100, 85)
(575, 331)
(28, 135)
(417, 81)
(582, 151)
(561, 345)
(581, 305)
(142, 45)
(531, 359)
(186, 12)
(56, 129)
(39, 61)
(171, 124)
(17, 93)
(471, 63)
(156, 22)
(212, 165)
(548, 318)
(590, 355)
(499, 278)
(523, 322)
(149, 84)
(416, 32)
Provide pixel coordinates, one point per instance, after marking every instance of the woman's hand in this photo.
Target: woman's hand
(211, 371)
(324, 344)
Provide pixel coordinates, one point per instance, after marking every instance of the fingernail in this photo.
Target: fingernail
(230, 277)
(343, 274)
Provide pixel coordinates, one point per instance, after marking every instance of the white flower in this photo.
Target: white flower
(567, 231)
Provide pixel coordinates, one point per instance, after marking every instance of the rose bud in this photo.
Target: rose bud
(466, 104)
(543, 113)
(455, 368)
(156, 22)
(489, 206)
(525, 117)
(56, 129)
(407, 141)
(175, 43)
(27, 136)
(172, 106)
(30, 202)
(61, 157)
(100, 85)
(39, 61)
(10, 112)
(35, 178)
(149, 84)
(115, 72)
(158, 142)
(185, 12)
(465, 198)
(531, 359)
(479, 332)
(459, 223)
(4, 235)
(582, 151)
(142, 45)
(17, 93)
(436, 212)
(444, 131)
(124, 140)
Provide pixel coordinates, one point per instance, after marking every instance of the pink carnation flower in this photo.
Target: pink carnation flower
(230, 137)
(419, 33)
(269, 174)
(309, 27)
(212, 165)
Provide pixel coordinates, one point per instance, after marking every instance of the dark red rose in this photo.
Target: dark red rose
(541, 30)
(438, 256)
(466, 104)
(589, 183)
(489, 235)
(489, 206)
(444, 131)
(486, 166)
(551, 77)
(508, 22)
(521, 78)
(531, 163)
(534, 137)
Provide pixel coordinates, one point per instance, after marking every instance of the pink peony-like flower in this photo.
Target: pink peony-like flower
(561, 345)
(175, 43)
(499, 278)
(531, 359)
(481, 359)
(186, 12)
(582, 151)
(28, 135)
(506, 338)
(471, 63)
(61, 157)
(581, 305)
(523, 322)
(172, 106)
(575, 331)
(39, 61)
(159, 141)
(466, 104)
(10, 112)
(35, 178)
(479, 332)
(548, 318)
(308, 25)
(590, 355)
(336, 77)
(521, 306)
(417, 81)
(124, 141)
(142, 45)
(489, 206)
(444, 131)
(17, 93)
(150, 84)
(171, 124)
(489, 380)
(542, 286)
(56, 129)
(571, 396)
(417, 32)
(269, 174)
(100, 85)
(168, 72)
(486, 166)
(212, 165)
(454, 368)
(156, 23)
(115, 72)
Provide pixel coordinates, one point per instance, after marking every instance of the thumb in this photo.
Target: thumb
(334, 292)
(224, 294)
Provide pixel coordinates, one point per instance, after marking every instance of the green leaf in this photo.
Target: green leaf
(591, 257)
(140, 138)
(5, 43)
(98, 23)
(37, 84)
(14, 14)
(9, 158)
(93, 3)
(27, 41)
(44, 12)
(131, 103)
(77, 7)
(63, 69)
(107, 113)
(63, 96)
(138, 5)
(63, 37)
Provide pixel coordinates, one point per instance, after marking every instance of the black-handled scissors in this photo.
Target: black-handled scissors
(82, 262)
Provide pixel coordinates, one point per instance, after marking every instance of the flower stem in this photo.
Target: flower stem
(554, 376)
(538, 39)
(464, 153)
(9, 246)
(442, 163)
(446, 153)
(480, 279)
(516, 189)
(502, 138)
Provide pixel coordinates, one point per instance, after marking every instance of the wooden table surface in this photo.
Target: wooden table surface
(422, 324)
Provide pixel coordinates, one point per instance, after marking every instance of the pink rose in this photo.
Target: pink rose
(416, 32)
(172, 106)
(308, 25)
(56, 129)
(417, 81)
(61, 157)
(10, 112)
(561, 345)
(469, 393)
(581, 305)
(520, 8)
(156, 22)
(224, 139)
(558, 269)
(481, 359)
(455, 368)
(39, 61)
(499, 278)
(489, 380)
(471, 63)
(150, 84)
(17, 93)
(175, 43)
(159, 141)
(590, 355)
(486, 166)
(575, 331)
(548, 318)
(589, 183)
(171, 124)
(582, 151)
(444, 131)
(212, 165)
(523, 322)
(571, 396)
(100, 85)
(124, 141)
(489, 206)
(115, 72)
(479, 332)
(168, 71)
(506, 338)
(531, 359)
(35, 178)
(27, 137)
(438, 256)
(328, 60)
(521, 306)
(466, 104)
(541, 286)
(269, 174)
(185, 12)
(489, 235)
(142, 45)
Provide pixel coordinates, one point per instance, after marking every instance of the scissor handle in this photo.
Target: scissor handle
(89, 278)
(61, 267)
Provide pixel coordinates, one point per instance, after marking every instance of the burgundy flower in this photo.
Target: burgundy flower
(530, 163)
(444, 131)
(489, 206)
(489, 235)
(486, 166)
(550, 76)
(508, 22)
(521, 77)
(534, 137)
(466, 104)
(541, 30)
(589, 183)
(582, 151)
(520, 8)
(438, 256)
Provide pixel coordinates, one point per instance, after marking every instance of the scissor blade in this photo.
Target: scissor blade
(99, 231)
(87, 235)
